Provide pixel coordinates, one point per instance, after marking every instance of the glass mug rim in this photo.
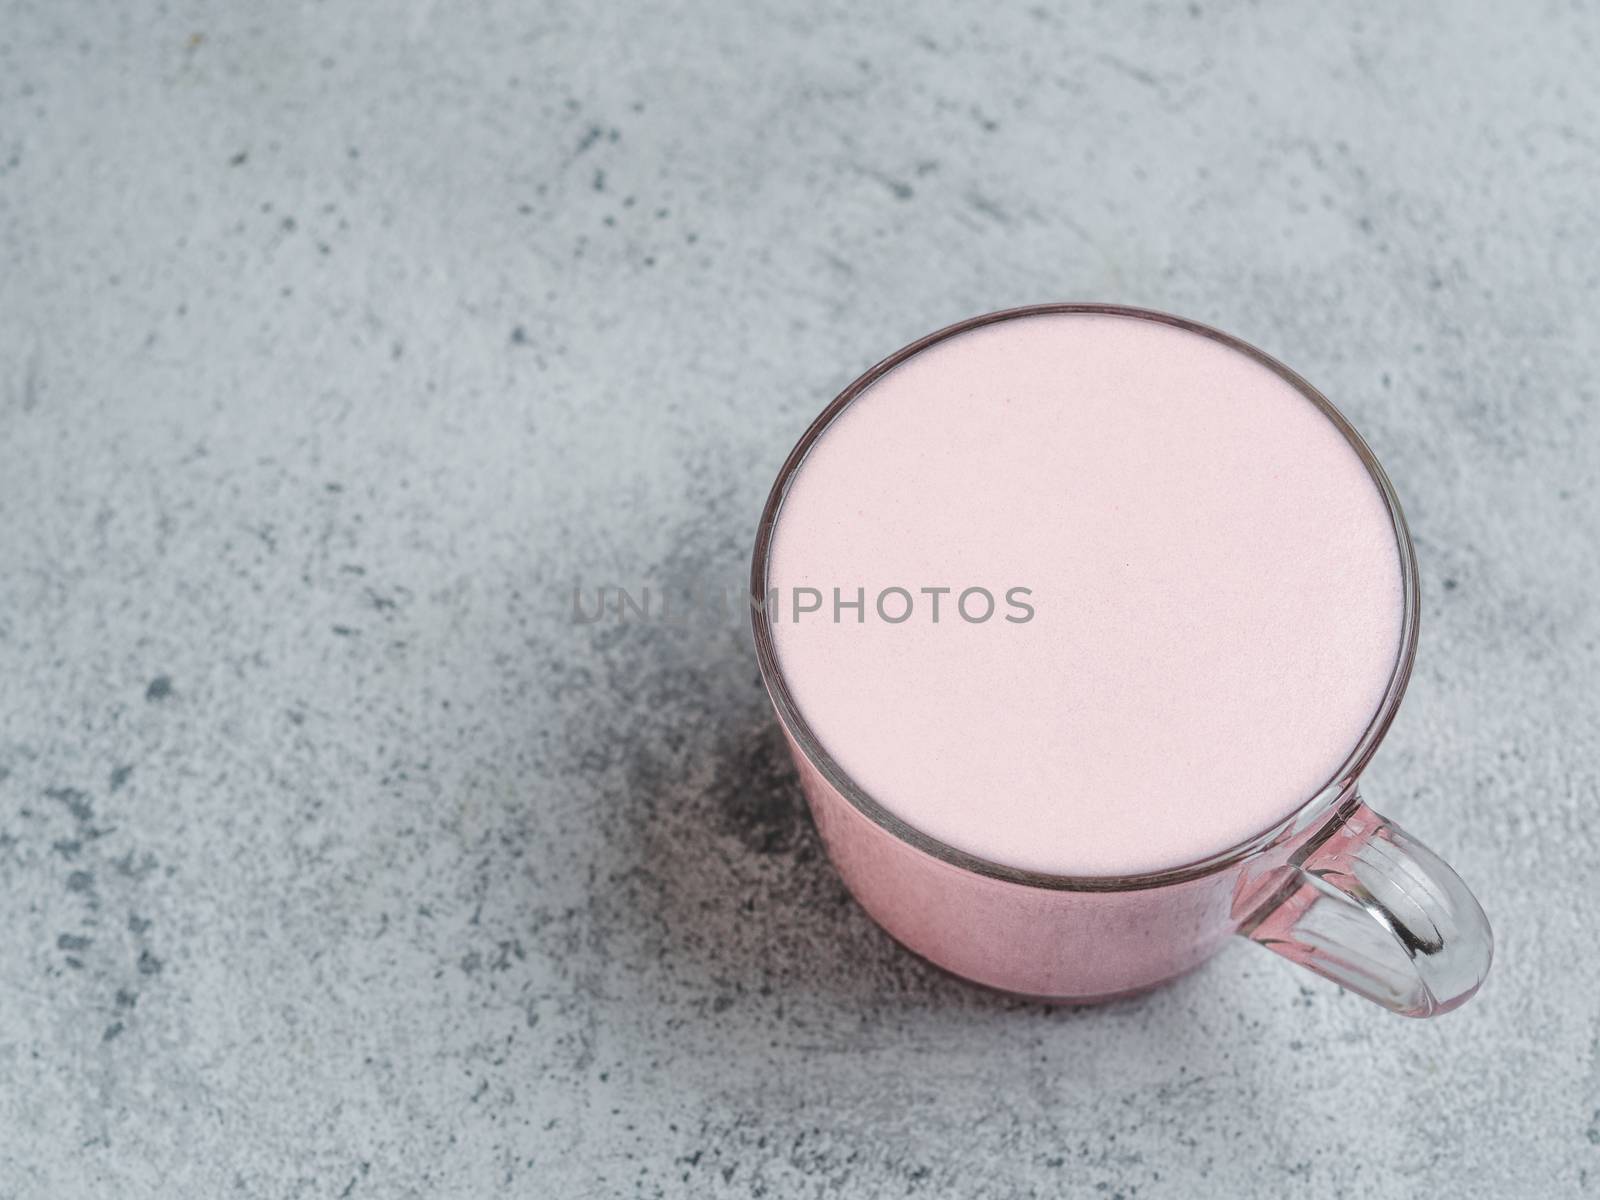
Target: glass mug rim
(1323, 799)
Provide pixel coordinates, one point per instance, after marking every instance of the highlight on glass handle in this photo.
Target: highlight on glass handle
(1377, 912)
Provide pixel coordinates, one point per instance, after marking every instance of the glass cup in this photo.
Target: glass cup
(1334, 887)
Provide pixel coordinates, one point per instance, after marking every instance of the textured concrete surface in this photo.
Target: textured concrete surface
(338, 342)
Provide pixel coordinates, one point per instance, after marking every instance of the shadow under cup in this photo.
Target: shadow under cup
(1333, 887)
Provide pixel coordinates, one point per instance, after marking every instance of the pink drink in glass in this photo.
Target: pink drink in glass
(1081, 622)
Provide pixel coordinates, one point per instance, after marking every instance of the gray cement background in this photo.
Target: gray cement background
(338, 342)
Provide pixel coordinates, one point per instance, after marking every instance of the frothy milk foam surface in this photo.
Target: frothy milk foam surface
(1215, 588)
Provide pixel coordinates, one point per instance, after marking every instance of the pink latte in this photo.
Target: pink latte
(1213, 607)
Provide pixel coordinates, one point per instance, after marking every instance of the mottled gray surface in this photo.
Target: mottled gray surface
(336, 344)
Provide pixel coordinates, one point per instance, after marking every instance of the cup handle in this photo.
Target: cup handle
(1369, 907)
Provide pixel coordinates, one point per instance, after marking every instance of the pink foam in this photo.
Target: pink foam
(1215, 579)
